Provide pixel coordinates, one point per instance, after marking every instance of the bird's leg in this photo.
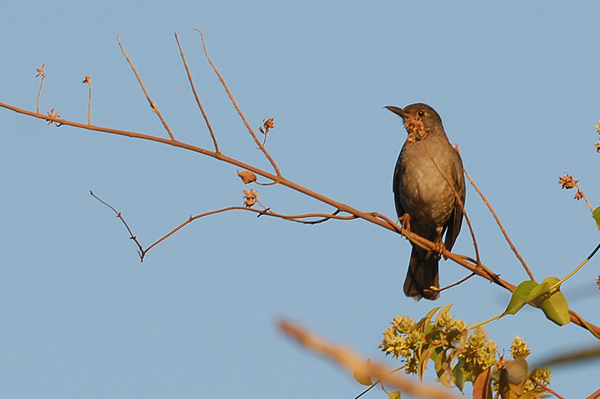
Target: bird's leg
(405, 221)
(440, 247)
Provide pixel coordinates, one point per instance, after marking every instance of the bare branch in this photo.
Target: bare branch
(131, 236)
(547, 388)
(88, 81)
(189, 75)
(514, 249)
(460, 201)
(152, 103)
(41, 71)
(238, 109)
(267, 212)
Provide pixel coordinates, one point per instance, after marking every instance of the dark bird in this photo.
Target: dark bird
(429, 186)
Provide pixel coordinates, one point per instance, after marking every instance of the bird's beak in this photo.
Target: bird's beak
(397, 111)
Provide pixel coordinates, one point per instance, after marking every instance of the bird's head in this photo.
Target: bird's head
(420, 120)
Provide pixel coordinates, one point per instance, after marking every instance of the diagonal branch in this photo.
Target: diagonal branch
(510, 243)
(212, 134)
(152, 103)
(238, 109)
(460, 201)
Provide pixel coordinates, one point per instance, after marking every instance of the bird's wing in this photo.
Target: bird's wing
(455, 221)
(396, 188)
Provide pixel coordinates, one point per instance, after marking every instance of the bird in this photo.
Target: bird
(429, 194)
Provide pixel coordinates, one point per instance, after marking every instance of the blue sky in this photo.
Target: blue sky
(515, 84)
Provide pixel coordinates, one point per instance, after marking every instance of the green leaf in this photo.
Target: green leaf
(445, 309)
(556, 309)
(423, 359)
(439, 364)
(364, 379)
(539, 291)
(394, 395)
(596, 216)
(458, 376)
(423, 324)
(519, 296)
(554, 305)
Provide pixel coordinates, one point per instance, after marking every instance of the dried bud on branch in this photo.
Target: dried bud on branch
(251, 197)
(268, 124)
(53, 114)
(40, 70)
(567, 181)
(247, 176)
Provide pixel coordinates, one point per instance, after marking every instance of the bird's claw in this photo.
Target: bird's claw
(405, 221)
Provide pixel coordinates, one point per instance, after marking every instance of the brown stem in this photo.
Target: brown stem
(153, 105)
(462, 205)
(238, 109)
(189, 75)
(506, 237)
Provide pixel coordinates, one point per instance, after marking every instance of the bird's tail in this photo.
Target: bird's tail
(422, 274)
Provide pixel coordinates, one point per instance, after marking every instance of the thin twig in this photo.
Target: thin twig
(368, 389)
(238, 109)
(293, 218)
(547, 388)
(356, 364)
(153, 105)
(460, 201)
(131, 235)
(595, 395)
(88, 80)
(41, 71)
(580, 191)
(455, 284)
(268, 212)
(189, 75)
(590, 256)
(506, 237)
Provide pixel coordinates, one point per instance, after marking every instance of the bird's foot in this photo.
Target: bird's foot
(405, 221)
(440, 247)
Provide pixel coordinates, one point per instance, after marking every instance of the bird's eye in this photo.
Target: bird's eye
(421, 113)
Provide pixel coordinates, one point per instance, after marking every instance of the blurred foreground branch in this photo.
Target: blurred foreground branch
(359, 366)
